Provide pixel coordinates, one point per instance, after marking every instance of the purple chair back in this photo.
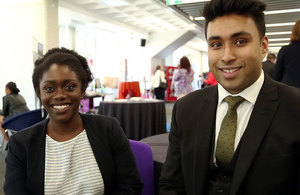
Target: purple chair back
(144, 160)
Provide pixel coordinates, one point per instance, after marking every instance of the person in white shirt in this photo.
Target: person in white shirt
(260, 139)
(69, 152)
(159, 83)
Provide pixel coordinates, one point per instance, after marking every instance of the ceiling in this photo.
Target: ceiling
(137, 16)
(148, 16)
(144, 16)
(195, 9)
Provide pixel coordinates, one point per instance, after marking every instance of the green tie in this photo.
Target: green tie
(225, 143)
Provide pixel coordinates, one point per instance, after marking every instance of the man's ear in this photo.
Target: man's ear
(264, 46)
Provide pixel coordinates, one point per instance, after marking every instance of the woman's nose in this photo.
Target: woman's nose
(60, 94)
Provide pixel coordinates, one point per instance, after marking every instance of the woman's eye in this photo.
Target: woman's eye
(70, 87)
(49, 89)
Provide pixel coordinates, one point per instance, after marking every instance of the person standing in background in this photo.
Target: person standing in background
(182, 78)
(269, 65)
(210, 80)
(287, 69)
(158, 77)
(13, 102)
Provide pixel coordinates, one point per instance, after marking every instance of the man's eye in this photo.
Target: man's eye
(49, 89)
(215, 45)
(241, 42)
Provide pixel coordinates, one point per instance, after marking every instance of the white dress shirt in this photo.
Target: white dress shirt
(243, 111)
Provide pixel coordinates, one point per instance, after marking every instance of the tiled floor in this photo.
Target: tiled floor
(169, 108)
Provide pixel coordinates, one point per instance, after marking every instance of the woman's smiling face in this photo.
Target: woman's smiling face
(60, 93)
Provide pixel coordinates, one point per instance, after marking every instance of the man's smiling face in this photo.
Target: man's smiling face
(235, 51)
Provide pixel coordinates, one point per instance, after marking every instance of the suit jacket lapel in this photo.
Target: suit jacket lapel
(203, 139)
(259, 122)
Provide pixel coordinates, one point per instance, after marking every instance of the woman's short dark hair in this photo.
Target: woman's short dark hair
(185, 63)
(62, 56)
(12, 87)
(251, 8)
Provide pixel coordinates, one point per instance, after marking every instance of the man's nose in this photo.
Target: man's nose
(228, 55)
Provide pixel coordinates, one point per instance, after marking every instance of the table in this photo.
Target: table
(139, 119)
(159, 146)
(129, 87)
(87, 103)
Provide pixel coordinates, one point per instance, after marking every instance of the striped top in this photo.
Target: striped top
(71, 167)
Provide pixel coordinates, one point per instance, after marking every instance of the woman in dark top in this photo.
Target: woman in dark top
(13, 102)
(69, 152)
(287, 69)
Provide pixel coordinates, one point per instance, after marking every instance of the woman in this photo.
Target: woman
(159, 77)
(69, 153)
(13, 102)
(287, 68)
(182, 78)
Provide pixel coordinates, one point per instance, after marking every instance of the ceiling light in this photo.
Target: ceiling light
(17, 1)
(278, 44)
(176, 2)
(282, 11)
(279, 33)
(281, 24)
(116, 3)
(199, 18)
(279, 39)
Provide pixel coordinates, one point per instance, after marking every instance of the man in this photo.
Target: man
(269, 65)
(266, 158)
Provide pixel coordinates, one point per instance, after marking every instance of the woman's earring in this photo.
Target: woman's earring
(42, 111)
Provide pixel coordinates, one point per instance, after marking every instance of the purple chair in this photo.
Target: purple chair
(144, 160)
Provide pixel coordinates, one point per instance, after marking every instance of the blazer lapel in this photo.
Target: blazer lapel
(259, 122)
(203, 140)
(37, 166)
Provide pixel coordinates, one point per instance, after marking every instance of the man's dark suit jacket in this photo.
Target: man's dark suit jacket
(268, 161)
(26, 158)
(268, 68)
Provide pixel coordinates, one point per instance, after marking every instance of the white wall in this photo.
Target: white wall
(109, 46)
(22, 24)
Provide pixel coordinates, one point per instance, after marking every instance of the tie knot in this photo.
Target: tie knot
(233, 101)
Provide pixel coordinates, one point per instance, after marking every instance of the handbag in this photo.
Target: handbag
(162, 85)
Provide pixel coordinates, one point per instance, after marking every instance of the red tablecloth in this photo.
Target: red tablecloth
(129, 87)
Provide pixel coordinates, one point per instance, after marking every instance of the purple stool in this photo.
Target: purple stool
(144, 160)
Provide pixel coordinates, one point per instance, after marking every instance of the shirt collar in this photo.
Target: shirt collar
(250, 94)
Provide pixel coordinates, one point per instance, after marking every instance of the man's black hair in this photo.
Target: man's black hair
(250, 8)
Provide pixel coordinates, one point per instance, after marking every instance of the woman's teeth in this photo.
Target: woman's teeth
(60, 106)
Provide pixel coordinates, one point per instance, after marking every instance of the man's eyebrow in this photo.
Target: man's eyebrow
(240, 34)
(232, 36)
(213, 38)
